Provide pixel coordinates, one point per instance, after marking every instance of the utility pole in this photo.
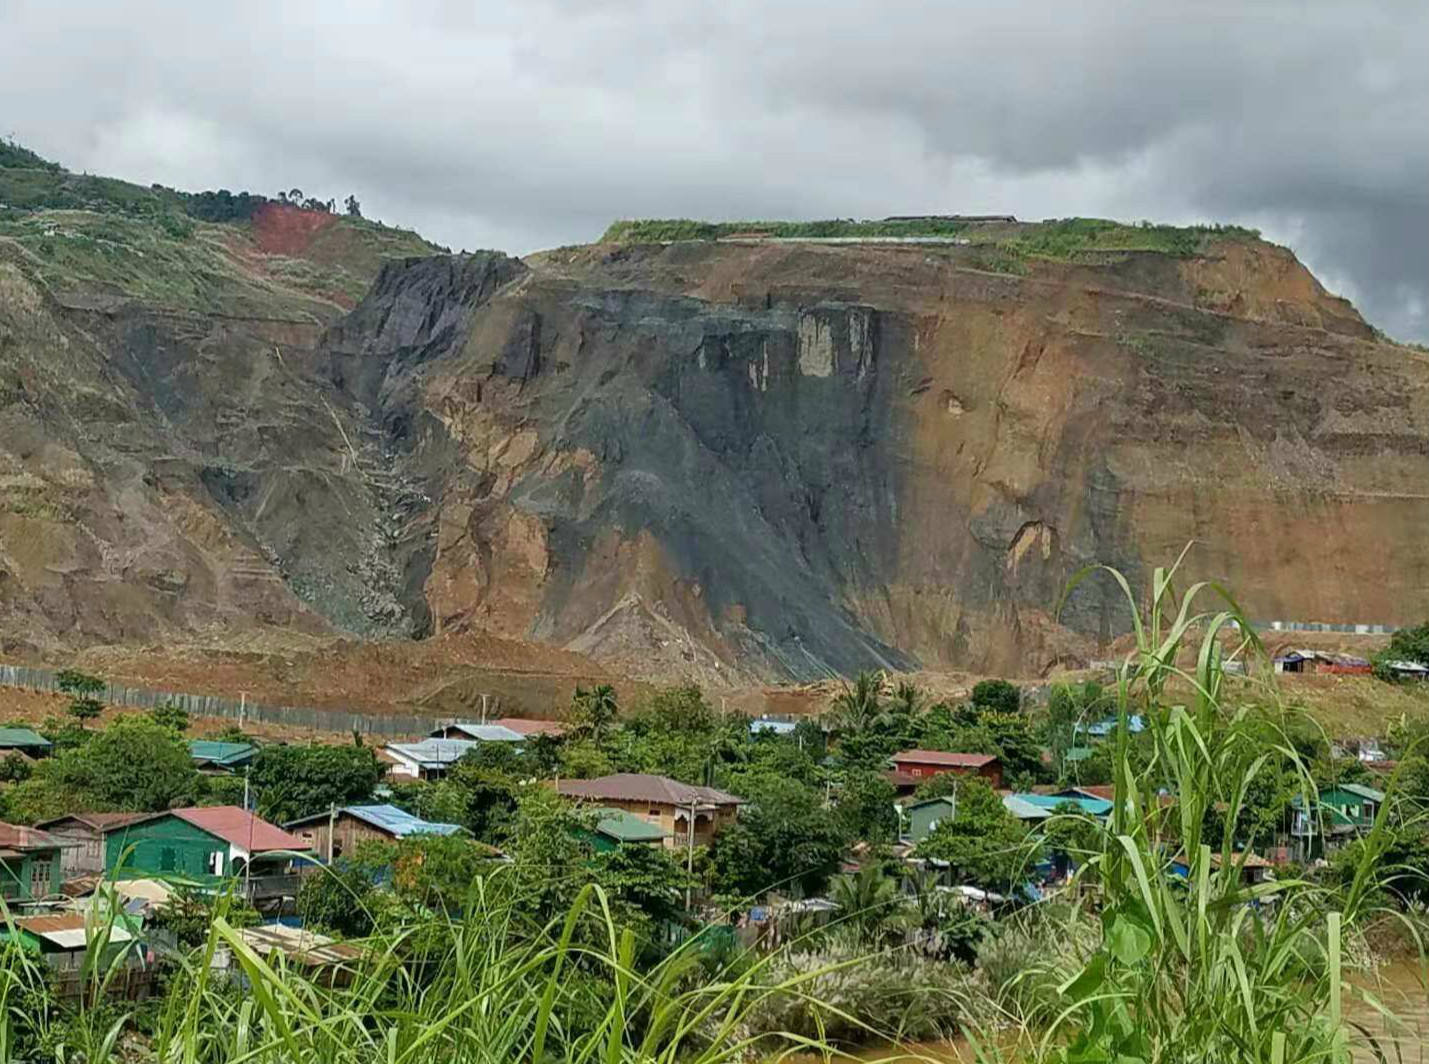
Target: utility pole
(690, 855)
(331, 829)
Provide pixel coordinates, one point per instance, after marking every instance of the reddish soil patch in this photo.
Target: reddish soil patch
(279, 229)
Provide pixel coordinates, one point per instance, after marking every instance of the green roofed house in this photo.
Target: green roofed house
(615, 828)
(24, 740)
(217, 758)
(924, 816)
(1342, 812)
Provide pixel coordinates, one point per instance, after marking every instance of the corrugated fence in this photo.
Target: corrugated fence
(238, 710)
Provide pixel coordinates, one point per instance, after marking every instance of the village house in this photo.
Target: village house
(214, 758)
(208, 844)
(1341, 812)
(85, 831)
(339, 832)
(62, 942)
(922, 817)
(23, 741)
(1320, 661)
(1035, 808)
(430, 759)
(683, 811)
(29, 863)
(919, 765)
(481, 733)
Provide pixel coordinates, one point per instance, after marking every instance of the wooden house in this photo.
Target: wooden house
(340, 832)
(85, 831)
(919, 765)
(683, 811)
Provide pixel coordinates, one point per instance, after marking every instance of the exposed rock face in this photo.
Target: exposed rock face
(727, 461)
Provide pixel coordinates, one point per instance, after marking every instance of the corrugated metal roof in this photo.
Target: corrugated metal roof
(67, 930)
(1050, 802)
(642, 787)
(220, 753)
(627, 827)
(238, 827)
(298, 944)
(487, 733)
(388, 818)
(774, 727)
(526, 726)
(943, 758)
(97, 821)
(433, 753)
(1022, 809)
(1362, 791)
(18, 837)
(17, 737)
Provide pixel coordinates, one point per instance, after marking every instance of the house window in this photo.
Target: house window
(215, 863)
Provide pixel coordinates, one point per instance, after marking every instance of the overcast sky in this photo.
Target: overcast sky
(533, 124)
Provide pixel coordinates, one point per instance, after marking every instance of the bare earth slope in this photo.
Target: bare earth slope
(730, 461)
(773, 460)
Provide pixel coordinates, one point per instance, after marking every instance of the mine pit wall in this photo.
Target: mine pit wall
(776, 462)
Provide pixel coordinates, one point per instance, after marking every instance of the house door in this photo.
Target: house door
(40, 871)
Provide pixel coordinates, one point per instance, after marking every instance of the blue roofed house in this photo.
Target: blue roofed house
(340, 831)
(1033, 808)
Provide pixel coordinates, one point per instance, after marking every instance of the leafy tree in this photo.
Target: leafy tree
(982, 841)
(431, 871)
(189, 914)
(1072, 833)
(550, 866)
(354, 209)
(295, 781)
(170, 716)
(583, 759)
(15, 767)
(134, 764)
(438, 801)
(1407, 644)
(784, 839)
(489, 780)
(84, 691)
(864, 809)
(338, 899)
(647, 879)
(997, 695)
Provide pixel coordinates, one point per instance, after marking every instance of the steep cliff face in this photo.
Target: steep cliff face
(774, 460)
(730, 461)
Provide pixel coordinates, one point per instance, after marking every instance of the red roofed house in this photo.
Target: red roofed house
(918, 765)
(208, 843)
(659, 800)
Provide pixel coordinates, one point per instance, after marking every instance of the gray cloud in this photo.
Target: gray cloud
(532, 124)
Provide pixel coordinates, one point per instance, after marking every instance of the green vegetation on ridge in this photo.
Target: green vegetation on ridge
(1063, 239)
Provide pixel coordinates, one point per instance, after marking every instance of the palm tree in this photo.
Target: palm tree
(594, 710)
(867, 900)
(860, 707)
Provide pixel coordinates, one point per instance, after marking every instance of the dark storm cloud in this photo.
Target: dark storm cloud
(533, 124)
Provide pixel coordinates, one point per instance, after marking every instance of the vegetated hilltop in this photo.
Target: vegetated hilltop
(735, 460)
